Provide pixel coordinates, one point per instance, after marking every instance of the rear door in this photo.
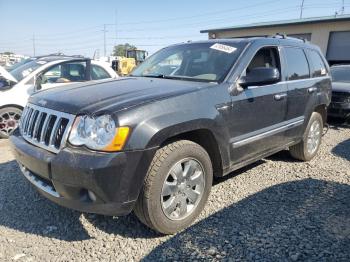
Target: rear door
(301, 90)
(258, 113)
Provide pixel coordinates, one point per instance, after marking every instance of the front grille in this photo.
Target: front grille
(340, 97)
(45, 128)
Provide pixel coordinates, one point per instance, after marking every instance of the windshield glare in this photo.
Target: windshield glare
(341, 74)
(208, 62)
(24, 70)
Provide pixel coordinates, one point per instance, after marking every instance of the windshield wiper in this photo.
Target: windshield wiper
(154, 75)
(185, 78)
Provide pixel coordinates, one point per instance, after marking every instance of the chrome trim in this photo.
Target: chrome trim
(38, 182)
(240, 141)
(28, 119)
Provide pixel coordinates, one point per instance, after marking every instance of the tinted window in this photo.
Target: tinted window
(98, 73)
(297, 65)
(319, 68)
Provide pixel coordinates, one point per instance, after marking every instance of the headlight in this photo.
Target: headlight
(98, 133)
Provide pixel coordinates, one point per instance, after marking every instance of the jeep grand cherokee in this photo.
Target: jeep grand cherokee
(152, 142)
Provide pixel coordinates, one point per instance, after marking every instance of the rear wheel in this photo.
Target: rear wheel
(9, 120)
(308, 147)
(176, 187)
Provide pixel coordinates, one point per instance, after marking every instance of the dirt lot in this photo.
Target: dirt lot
(276, 209)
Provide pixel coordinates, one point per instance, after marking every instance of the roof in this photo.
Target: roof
(311, 20)
(50, 58)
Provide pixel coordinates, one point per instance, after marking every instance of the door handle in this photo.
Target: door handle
(279, 97)
(312, 90)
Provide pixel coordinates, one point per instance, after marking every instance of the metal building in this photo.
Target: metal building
(331, 33)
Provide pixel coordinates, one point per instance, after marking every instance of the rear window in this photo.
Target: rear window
(297, 65)
(319, 67)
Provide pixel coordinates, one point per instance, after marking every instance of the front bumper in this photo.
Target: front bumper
(93, 182)
(339, 109)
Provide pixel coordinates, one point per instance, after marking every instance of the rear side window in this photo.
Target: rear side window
(297, 65)
(98, 73)
(319, 67)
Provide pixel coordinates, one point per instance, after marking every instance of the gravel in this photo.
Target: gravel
(277, 209)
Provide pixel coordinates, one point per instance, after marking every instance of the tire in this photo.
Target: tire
(9, 119)
(153, 208)
(301, 151)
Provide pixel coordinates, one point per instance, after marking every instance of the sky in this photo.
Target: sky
(77, 27)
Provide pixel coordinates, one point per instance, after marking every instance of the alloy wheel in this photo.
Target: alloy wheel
(313, 138)
(9, 121)
(183, 189)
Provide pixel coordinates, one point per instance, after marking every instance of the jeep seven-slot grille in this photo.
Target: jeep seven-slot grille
(45, 128)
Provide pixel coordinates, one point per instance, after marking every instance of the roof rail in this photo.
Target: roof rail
(284, 36)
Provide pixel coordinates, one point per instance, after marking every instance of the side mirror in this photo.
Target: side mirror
(260, 76)
(37, 83)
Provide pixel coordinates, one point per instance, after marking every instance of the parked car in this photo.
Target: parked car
(40, 74)
(340, 105)
(153, 142)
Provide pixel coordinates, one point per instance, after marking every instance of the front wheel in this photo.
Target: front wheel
(309, 145)
(176, 187)
(9, 120)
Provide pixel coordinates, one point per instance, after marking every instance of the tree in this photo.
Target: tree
(119, 50)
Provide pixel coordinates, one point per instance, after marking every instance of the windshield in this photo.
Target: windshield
(209, 62)
(13, 67)
(24, 70)
(341, 74)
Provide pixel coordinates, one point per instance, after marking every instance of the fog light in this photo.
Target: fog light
(92, 195)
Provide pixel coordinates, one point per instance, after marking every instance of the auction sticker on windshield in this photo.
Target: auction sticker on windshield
(223, 48)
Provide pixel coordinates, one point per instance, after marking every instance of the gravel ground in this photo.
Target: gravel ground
(275, 210)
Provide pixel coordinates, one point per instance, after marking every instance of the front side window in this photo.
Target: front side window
(65, 73)
(297, 65)
(319, 67)
(267, 57)
(209, 62)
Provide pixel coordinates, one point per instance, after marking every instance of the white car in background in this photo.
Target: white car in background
(39, 74)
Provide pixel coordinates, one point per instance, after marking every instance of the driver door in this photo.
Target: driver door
(259, 112)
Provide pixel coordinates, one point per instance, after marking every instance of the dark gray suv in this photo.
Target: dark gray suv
(152, 142)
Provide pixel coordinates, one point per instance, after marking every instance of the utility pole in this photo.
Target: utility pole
(104, 40)
(343, 7)
(116, 24)
(301, 9)
(33, 44)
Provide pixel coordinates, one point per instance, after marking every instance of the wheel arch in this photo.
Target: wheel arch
(322, 110)
(12, 105)
(202, 135)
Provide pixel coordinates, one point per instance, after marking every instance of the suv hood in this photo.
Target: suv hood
(5, 74)
(111, 96)
(341, 87)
